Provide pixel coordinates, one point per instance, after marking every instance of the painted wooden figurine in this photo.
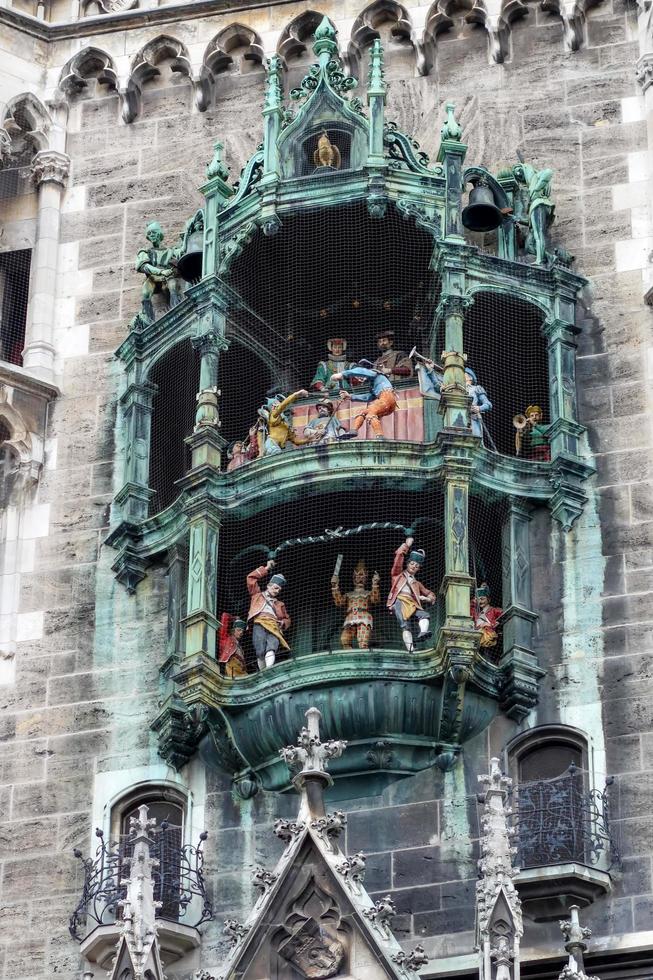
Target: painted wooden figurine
(381, 400)
(230, 652)
(431, 381)
(393, 363)
(486, 616)
(327, 153)
(278, 423)
(325, 428)
(358, 622)
(532, 436)
(267, 616)
(408, 595)
(334, 363)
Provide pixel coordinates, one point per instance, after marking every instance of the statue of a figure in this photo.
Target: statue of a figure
(358, 619)
(267, 616)
(230, 652)
(326, 427)
(532, 436)
(381, 400)
(393, 363)
(486, 616)
(431, 381)
(408, 595)
(326, 154)
(335, 362)
(277, 423)
(540, 206)
(159, 266)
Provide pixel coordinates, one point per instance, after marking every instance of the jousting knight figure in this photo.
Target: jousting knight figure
(408, 595)
(358, 618)
(381, 400)
(486, 616)
(230, 652)
(267, 615)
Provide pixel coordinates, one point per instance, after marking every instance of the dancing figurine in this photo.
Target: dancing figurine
(230, 652)
(358, 618)
(486, 617)
(267, 615)
(432, 379)
(408, 595)
(381, 400)
(278, 423)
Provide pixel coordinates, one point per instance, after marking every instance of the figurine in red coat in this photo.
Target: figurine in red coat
(407, 594)
(486, 617)
(267, 615)
(230, 652)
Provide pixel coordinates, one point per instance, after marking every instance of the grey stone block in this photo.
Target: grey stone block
(386, 828)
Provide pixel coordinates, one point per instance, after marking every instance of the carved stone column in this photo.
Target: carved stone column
(177, 578)
(519, 663)
(134, 496)
(50, 173)
(201, 623)
(452, 155)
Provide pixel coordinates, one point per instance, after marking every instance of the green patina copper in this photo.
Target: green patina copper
(403, 713)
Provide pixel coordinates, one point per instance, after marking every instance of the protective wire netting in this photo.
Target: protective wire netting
(14, 295)
(335, 285)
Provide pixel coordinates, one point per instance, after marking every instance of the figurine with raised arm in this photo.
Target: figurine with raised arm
(541, 208)
(159, 266)
(381, 400)
(325, 428)
(230, 651)
(358, 618)
(486, 616)
(393, 363)
(408, 595)
(532, 436)
(279, 423)
(335, 362)
(431, 380)
(267, 616)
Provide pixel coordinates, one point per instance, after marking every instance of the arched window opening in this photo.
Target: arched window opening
(176, 376)
(507, 352)
(167, 837)
(14, 296)
(555, 806)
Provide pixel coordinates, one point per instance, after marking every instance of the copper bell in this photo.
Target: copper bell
(481, 213)
(189, 265)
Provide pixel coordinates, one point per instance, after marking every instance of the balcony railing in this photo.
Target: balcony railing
(561, 821)
(178, 881)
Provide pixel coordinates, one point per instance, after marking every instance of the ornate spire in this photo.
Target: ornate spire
(576, 945)
(498, 908)
(138, 944)
(376, 77)
(311, 756)
(329, 67)
(217, 167)
(325, 43)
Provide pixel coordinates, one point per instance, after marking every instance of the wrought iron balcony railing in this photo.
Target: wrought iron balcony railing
(178, 874)
(560, 821)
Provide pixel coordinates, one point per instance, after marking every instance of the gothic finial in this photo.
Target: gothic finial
(310, 753)
(498, 908)
(451, 130)
(576, 945)
(381, 914)
(376, 76)
(217, 168)
(352, 870)
(273, 88)
(263, 879)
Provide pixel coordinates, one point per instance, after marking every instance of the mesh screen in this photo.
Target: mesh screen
(14, 296)
(338, 274)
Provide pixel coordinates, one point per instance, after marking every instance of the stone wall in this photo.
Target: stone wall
(75, 725)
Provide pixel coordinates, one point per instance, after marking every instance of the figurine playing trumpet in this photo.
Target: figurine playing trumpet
(531, 435)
